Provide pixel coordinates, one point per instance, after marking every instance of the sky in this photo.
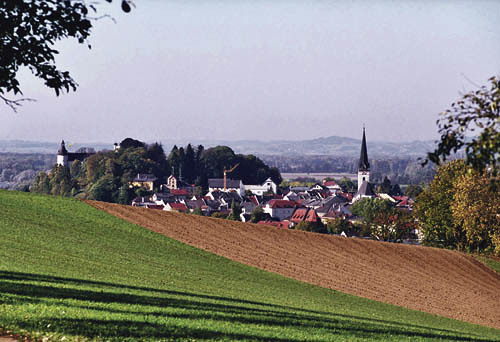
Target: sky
(265, 70)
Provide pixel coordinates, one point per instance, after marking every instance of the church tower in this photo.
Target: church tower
(364, 165)
(62, 155)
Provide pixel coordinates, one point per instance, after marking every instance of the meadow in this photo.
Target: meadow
(70, 272)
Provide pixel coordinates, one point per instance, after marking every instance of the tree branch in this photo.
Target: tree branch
(14, 104)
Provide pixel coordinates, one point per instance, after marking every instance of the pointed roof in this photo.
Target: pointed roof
(62, 149)
(364, 165)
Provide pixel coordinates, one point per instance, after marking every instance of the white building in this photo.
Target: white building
(267, 186)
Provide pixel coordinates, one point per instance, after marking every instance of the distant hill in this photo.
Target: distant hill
(334, 146)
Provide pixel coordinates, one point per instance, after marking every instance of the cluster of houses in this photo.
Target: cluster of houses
(321, 202)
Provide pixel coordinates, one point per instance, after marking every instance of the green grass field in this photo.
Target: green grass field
(70, 272)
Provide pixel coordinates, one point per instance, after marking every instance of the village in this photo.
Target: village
(321, 203)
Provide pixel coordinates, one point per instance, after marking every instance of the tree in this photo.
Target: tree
(413, 190)
(257, 214)
(29, 30)
(478, 113)
(235, 211)
(369, 208)
(433, 207)
(316, 227)
(476, 210)
(338, 226)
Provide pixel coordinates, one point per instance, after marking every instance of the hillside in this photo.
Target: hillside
(433, 280)
(71, 272)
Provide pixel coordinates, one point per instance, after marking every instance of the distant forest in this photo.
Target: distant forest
(18, 170)
(398, 170)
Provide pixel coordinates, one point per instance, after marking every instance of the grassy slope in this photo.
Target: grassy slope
(67, 269)
(493, 263)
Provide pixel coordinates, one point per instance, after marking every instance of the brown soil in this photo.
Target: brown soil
(437, 281)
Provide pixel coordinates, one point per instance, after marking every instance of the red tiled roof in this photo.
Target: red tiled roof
(312, 216)
(299, 215)
(330, 183)
(178, 206)
(279, 203)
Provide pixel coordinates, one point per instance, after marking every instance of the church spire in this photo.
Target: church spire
(62, 149)
(363, 165)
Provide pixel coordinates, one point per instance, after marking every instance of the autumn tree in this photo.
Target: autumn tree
(476, 210)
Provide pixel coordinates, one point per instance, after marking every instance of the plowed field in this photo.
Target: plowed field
(437, 281)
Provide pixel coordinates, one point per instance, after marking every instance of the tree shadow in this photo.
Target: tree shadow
(191, 307)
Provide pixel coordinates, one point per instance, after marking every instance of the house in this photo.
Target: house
(231, 185)
(177, 184)
(267, 186)
(142, 202)
(144, 180)
(174, 206)
(332, 186)
(280, 209)
(304, 214)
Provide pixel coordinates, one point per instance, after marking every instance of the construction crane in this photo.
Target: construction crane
(225, 175)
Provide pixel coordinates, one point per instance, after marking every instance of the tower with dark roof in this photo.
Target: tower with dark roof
(364, 165)
(62, 155)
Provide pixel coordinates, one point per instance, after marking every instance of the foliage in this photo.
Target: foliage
(346, 184)
(460, 209)
(200, 164)
(476, 211)
(257, 214)
(72, 273)
(394, 225)
(478, 113)
(316, 227)
(433, 207)
(29, 30)
(369, 208)
(339, 225)
(218, 214)
(413, 191)
(197, 211)
(235, 211)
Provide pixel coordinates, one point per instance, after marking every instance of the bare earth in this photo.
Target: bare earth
(437, 281)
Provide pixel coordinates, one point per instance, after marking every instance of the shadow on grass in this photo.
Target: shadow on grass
(166, 307)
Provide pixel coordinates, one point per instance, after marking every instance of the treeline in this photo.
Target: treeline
(105, 176)
(398, 170)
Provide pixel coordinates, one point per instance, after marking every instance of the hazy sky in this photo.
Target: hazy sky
(265, 70)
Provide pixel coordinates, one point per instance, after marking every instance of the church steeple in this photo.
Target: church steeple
(364, 165)
(62, 149)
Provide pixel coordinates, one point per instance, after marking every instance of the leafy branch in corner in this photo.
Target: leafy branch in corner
(28, 31)
(472, 124)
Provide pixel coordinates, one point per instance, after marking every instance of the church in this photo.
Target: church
(365, 189)
(65, 158)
